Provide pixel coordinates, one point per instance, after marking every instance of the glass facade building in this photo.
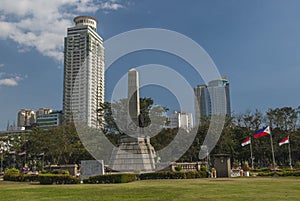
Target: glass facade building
(212, 99)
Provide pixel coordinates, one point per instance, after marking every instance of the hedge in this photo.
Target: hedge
(20, 177)
(58, 179)
(42, 178)
(280, 173)
(110, 179)
(174, 175)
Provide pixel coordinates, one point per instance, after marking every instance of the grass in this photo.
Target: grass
(195, 189)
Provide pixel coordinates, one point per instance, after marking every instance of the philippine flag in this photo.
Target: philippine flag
(246, 141)
(284, 141)
(262, 132)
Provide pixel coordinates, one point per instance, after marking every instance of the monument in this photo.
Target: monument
(134, 153)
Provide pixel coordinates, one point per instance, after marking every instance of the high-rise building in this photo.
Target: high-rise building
(83, 72)
(219, 96)
(26, 118)
(202, 102)
(213, 98)
(181, 119)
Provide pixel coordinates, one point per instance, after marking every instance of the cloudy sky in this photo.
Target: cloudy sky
(255, 43)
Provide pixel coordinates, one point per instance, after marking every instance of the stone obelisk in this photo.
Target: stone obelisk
(133, 98)
(134, 153)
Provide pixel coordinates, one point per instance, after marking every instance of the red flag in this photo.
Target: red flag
(284, 141)
(246, 141)
(21, 153)
(11, 151)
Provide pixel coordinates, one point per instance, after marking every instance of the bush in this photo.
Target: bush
(173, 175)
(66, 172)
(11, 171)
(20, 177)
(111, 178)
(58, 179)
(42, 178)
(178, 168)
(203, 168)
(46, 179)
(297, 164)
(280, 173)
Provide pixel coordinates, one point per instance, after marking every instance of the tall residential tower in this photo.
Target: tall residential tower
(83, 72)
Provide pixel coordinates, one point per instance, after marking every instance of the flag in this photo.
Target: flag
(246, 141)
(284, 141)
(262, 132)
(11, 151)
(21, 153)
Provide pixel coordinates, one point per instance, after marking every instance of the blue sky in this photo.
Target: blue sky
(255, 43)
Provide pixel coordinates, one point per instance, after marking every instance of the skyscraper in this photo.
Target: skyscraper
(83, 72)
(202, 102)
(213, 98)
(219, 96)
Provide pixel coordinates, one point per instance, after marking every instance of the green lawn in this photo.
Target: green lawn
(197, 189)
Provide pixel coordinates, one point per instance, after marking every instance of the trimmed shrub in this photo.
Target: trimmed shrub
(43, 178)
(178, 168)
(66, 172)
(110, 179)
(203, 168)
(173, 175)
(46, 179)
(297, 164)
(58, 179)
(12, 171)
(295, 173)
(20, 177)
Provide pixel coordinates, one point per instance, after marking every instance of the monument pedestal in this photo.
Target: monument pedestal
(133, 155)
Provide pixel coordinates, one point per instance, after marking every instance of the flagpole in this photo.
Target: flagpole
(43, 162)
(251, 154)
(290, 156)
(25, 160)
(14, 160)
(273, 156)
(1, 162)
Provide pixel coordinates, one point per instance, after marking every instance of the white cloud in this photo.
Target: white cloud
(42, 24)
(111, 5)
(10, 81)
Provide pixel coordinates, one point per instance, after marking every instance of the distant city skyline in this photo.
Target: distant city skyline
(254, 43)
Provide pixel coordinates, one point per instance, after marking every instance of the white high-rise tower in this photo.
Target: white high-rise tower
(83, 72)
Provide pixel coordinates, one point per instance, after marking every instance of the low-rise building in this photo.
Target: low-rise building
(52, 119)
